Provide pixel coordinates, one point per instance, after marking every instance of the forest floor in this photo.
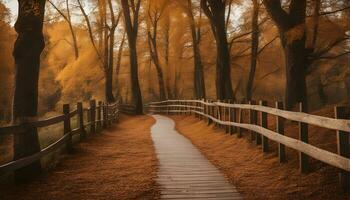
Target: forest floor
(260, 176)
(118, 164)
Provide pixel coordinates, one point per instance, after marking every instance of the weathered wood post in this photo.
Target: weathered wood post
(81, 120)
(240, 120)
(304, 137)
(343, 146)
(167, 107)
(93, 116)
(217, 114)
(99, 118)
(67, 128)
(280, 130)
(209, 112)
(263, 123)
(230, 118)
(104, 114)
(253, 119)
(227, 116)
(234, 118)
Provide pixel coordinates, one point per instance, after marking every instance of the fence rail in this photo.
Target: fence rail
(230, 116)
(98, 117)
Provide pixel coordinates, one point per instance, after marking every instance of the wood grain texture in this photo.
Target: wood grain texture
(184, 173)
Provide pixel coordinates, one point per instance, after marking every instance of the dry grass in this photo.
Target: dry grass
(261, 176)
(118, 164)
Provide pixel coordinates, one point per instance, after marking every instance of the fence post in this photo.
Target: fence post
(209, 113)
(217, 112)
(67, 127)
(234, 118)
(167, 107)
(93, 116)
(104, 114)
(343, 146)
(258, 135)
(263, 123)
(240, 120)
(303, 136)
(99, 118)
(252, 120)
(81, 120)
(227, 117)
(280, 130)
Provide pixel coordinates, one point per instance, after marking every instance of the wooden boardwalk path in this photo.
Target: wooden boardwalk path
(184, 173)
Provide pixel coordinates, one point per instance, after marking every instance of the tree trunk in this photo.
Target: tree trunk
(162, 95)
(135, 85)
(131, 27)
(215, 11)
(119, 61)
(152, 41)
(27, 49)
(296, 61)
(291, 26)
(254, 50)
(223, 72)
(199, 83)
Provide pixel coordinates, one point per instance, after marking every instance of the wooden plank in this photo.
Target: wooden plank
(184, 173)
(49, 122)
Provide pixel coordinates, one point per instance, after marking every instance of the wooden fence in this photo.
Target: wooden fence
(99, 116)
(230, 116)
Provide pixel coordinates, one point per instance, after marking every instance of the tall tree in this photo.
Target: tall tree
(199, 83)
(109, 51)
(27, 50)
(154, 15)
(291, 26)
(254, 49)
(131, 11)
(215, 11)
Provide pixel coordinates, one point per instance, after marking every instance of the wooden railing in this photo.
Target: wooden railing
(127, 109)
(98, 117)
(230, 116)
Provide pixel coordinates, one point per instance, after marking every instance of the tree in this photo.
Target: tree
(215, 11)
(27, 49)
(254, 49)
(154, 16)
(299, 54)
(199, 83)
(292, 31)
(131, 25)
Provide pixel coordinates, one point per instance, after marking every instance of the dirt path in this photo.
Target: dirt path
(184, 173)
(257, 175)
(119, 164)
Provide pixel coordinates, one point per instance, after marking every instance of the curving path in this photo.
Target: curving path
(184, 173)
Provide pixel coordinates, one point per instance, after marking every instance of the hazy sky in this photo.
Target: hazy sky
(12, 4)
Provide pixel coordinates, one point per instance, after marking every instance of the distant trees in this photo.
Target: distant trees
(67, 17)
(27, 50)
(106, 41)
(131, 11)
(215, 10)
